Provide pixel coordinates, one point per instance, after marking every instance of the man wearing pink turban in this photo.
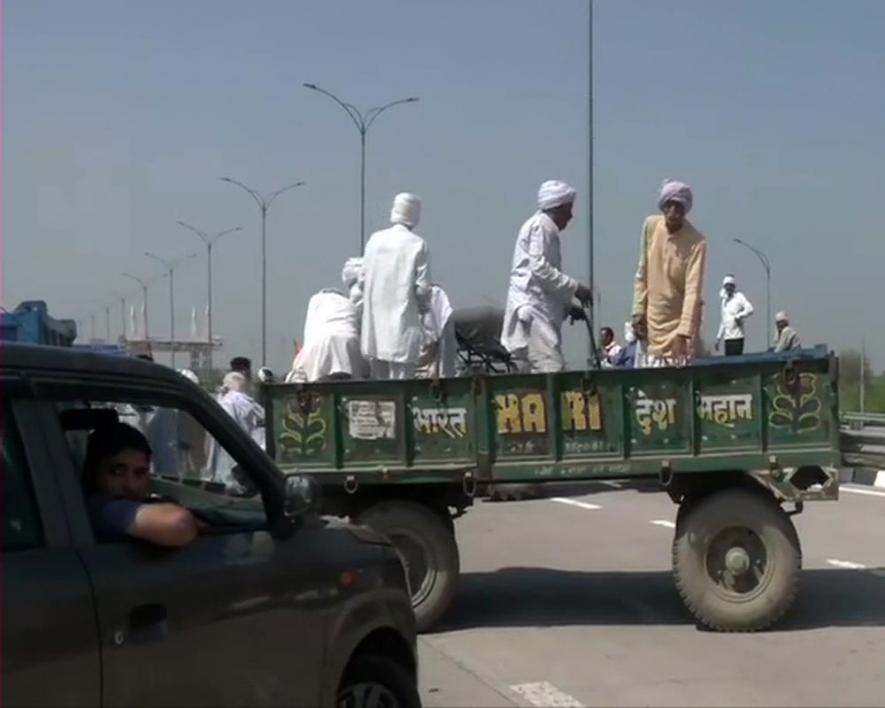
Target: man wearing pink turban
(670, 277)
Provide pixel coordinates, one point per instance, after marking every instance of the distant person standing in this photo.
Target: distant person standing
(242, 365)
(396, 293)
(787, 339)
(610, 347)
(735, 309)
(669, 279)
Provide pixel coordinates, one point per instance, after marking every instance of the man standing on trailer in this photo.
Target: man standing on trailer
(670, 277)
(540, 294)
(735, 309)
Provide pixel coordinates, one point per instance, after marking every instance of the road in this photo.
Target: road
(569, 601)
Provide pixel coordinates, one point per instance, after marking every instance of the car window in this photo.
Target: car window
(21, 521)
(188, 465)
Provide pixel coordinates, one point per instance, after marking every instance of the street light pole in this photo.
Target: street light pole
(170, 270)
(107, 323)
(209, 240)
(590, 282)
(144, 291)
(123, 317)
(263, 205)
(763, 259)
(362, 121)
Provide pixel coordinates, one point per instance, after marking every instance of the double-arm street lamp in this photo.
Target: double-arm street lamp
(144, 293)
(170, 267)
(362, 121)
(263, 203)
(209, 240)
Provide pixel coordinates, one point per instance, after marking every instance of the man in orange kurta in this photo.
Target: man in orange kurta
(670, 277)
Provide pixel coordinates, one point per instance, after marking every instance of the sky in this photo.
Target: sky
(120, 117)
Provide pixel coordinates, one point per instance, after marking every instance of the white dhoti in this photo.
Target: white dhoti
(392, 370)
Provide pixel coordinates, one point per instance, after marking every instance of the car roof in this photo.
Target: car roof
(39, 357)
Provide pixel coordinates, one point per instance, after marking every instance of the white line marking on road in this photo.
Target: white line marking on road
(575, 502)
(612, 483)
(545, 695)
(848, 565)
(856, 490)
(664, 523)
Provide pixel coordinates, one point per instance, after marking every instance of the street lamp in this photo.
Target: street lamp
(209, 240)
(362, 121)
(763, 259)
(263, 205)
(590, 279)
(144, 290)
(170, 267)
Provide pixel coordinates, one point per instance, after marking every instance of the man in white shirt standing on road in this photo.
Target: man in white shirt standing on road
(735, 309)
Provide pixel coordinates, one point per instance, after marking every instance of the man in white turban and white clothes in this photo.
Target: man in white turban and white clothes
(396, 292)
(670, 278)
(540, 295)
(437, 357)
(332, 332)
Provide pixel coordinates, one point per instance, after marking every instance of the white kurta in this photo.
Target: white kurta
(539, 291)
(249, 415)
(331, 339)
(438, 349)
(734, 310)
(396, 290)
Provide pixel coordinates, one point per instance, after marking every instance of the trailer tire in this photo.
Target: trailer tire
(736, 560)
(426, 541)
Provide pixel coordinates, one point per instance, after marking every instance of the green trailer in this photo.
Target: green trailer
(740, 445)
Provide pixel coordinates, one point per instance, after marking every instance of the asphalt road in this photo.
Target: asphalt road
(570, 604)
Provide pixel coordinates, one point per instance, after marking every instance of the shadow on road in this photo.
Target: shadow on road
(541, 597)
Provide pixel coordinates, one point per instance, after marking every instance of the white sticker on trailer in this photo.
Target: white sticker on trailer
(371, 420)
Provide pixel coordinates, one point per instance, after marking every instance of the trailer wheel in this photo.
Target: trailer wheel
(736, 560)
(426, 542)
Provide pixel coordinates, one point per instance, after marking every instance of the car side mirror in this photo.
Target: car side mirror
(303, 494)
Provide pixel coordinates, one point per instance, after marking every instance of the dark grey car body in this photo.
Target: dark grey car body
(270, 615)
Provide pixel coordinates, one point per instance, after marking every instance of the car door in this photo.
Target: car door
(49, 632)
(236, 618)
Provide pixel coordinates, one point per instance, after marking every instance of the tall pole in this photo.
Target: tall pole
(107, 323)
(263, 205)
(144, 293)
(170, 267)
(590, 281)
(862, 377)
(209, 240)
(362, 122)
(92, 327)
(766, 264)
(123, 317)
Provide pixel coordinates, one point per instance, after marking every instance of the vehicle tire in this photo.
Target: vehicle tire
(377, 682)
(426, 542)
(736, 560)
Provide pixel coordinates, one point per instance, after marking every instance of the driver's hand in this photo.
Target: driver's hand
(584, 294)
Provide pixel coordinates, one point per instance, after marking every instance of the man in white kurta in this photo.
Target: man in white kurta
(396, 291)
(331, 346)
(540, 294)
(437, 357)
(735, 309)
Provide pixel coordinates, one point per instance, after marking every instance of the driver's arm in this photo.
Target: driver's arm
(164, 524)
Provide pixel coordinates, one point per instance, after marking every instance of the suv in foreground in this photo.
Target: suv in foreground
(270, 605)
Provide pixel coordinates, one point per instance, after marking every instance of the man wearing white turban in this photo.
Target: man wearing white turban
(540, 294)
(670, 276)
(396, 291)
(331, 348)
(437, 357)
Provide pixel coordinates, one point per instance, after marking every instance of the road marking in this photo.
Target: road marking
(545, 695)
(574, 502)
(664, 523)
(612, 483)
(848, 565)
(855, 490)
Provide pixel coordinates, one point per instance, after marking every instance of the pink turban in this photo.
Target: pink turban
(673, 191)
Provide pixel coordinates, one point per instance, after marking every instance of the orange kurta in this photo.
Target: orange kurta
(669, 283)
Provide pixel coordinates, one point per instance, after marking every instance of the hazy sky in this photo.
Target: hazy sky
(121, 115)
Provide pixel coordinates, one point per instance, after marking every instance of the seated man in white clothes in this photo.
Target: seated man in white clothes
(332, 332)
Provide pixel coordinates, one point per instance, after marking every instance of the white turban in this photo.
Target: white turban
(781, 317)
(554, 193)
(728, 280)
(406, 210)
(234, 381)
(352, 271)
(673, 191)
